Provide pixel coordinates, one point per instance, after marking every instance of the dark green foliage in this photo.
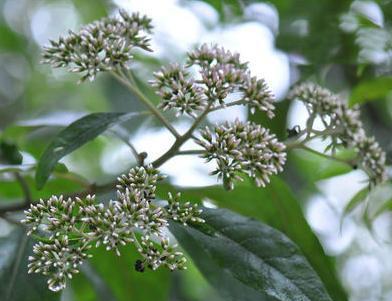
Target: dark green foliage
(15, 283)
(247, 260)
(73, 137)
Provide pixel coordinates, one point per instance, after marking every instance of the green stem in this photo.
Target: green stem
(190, 152)
(231, 104)
(147, 102)
(94, 189)
(24, 186)
(181, 140)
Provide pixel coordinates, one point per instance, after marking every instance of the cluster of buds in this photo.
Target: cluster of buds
(104, 45)
(243, 148)
(343, 127)
(221, 77)
(178, 91)
(70, 227)
(59, 260)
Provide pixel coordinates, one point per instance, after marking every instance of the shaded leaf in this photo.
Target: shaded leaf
(127, 284)
(247, 260)
(371, 90)
(89, 285)
(9, 153)
(74, 136)
(15, 283)
(276, 206)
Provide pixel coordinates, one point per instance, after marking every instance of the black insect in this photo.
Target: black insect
(139, 266)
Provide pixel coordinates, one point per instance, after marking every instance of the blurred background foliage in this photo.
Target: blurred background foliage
(344, 45)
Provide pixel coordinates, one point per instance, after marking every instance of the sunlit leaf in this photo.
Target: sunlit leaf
(316, 167)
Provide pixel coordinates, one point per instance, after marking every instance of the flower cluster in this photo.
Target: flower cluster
(344, 127)
(183, 213)
(221, 77)
(104, 45)
(72, 226)
(178, 91)
(243, 148)
(57, 259)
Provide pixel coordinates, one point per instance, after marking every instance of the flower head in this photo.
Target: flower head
(243, 148)
(140, 179)
(221, 75)
(178, 91)
(57, 259)
(345, 127)
(100, 46)
(134, 218)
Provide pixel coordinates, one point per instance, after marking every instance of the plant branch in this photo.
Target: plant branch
(231, 104)
(147, 102)
(181, 140)
(25, 187)
(189, 152)
(94, 188)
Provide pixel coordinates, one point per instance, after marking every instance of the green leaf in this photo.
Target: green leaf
(9, 153)
(380, 201)
(127, 284)
(387, 206)
(247, 260)
(74, 136)
(316, 167)
(89, 285)
(15, 283)
(276, 206)
(321, 35)
(357, 199)
(10, 190)
(371, 90)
